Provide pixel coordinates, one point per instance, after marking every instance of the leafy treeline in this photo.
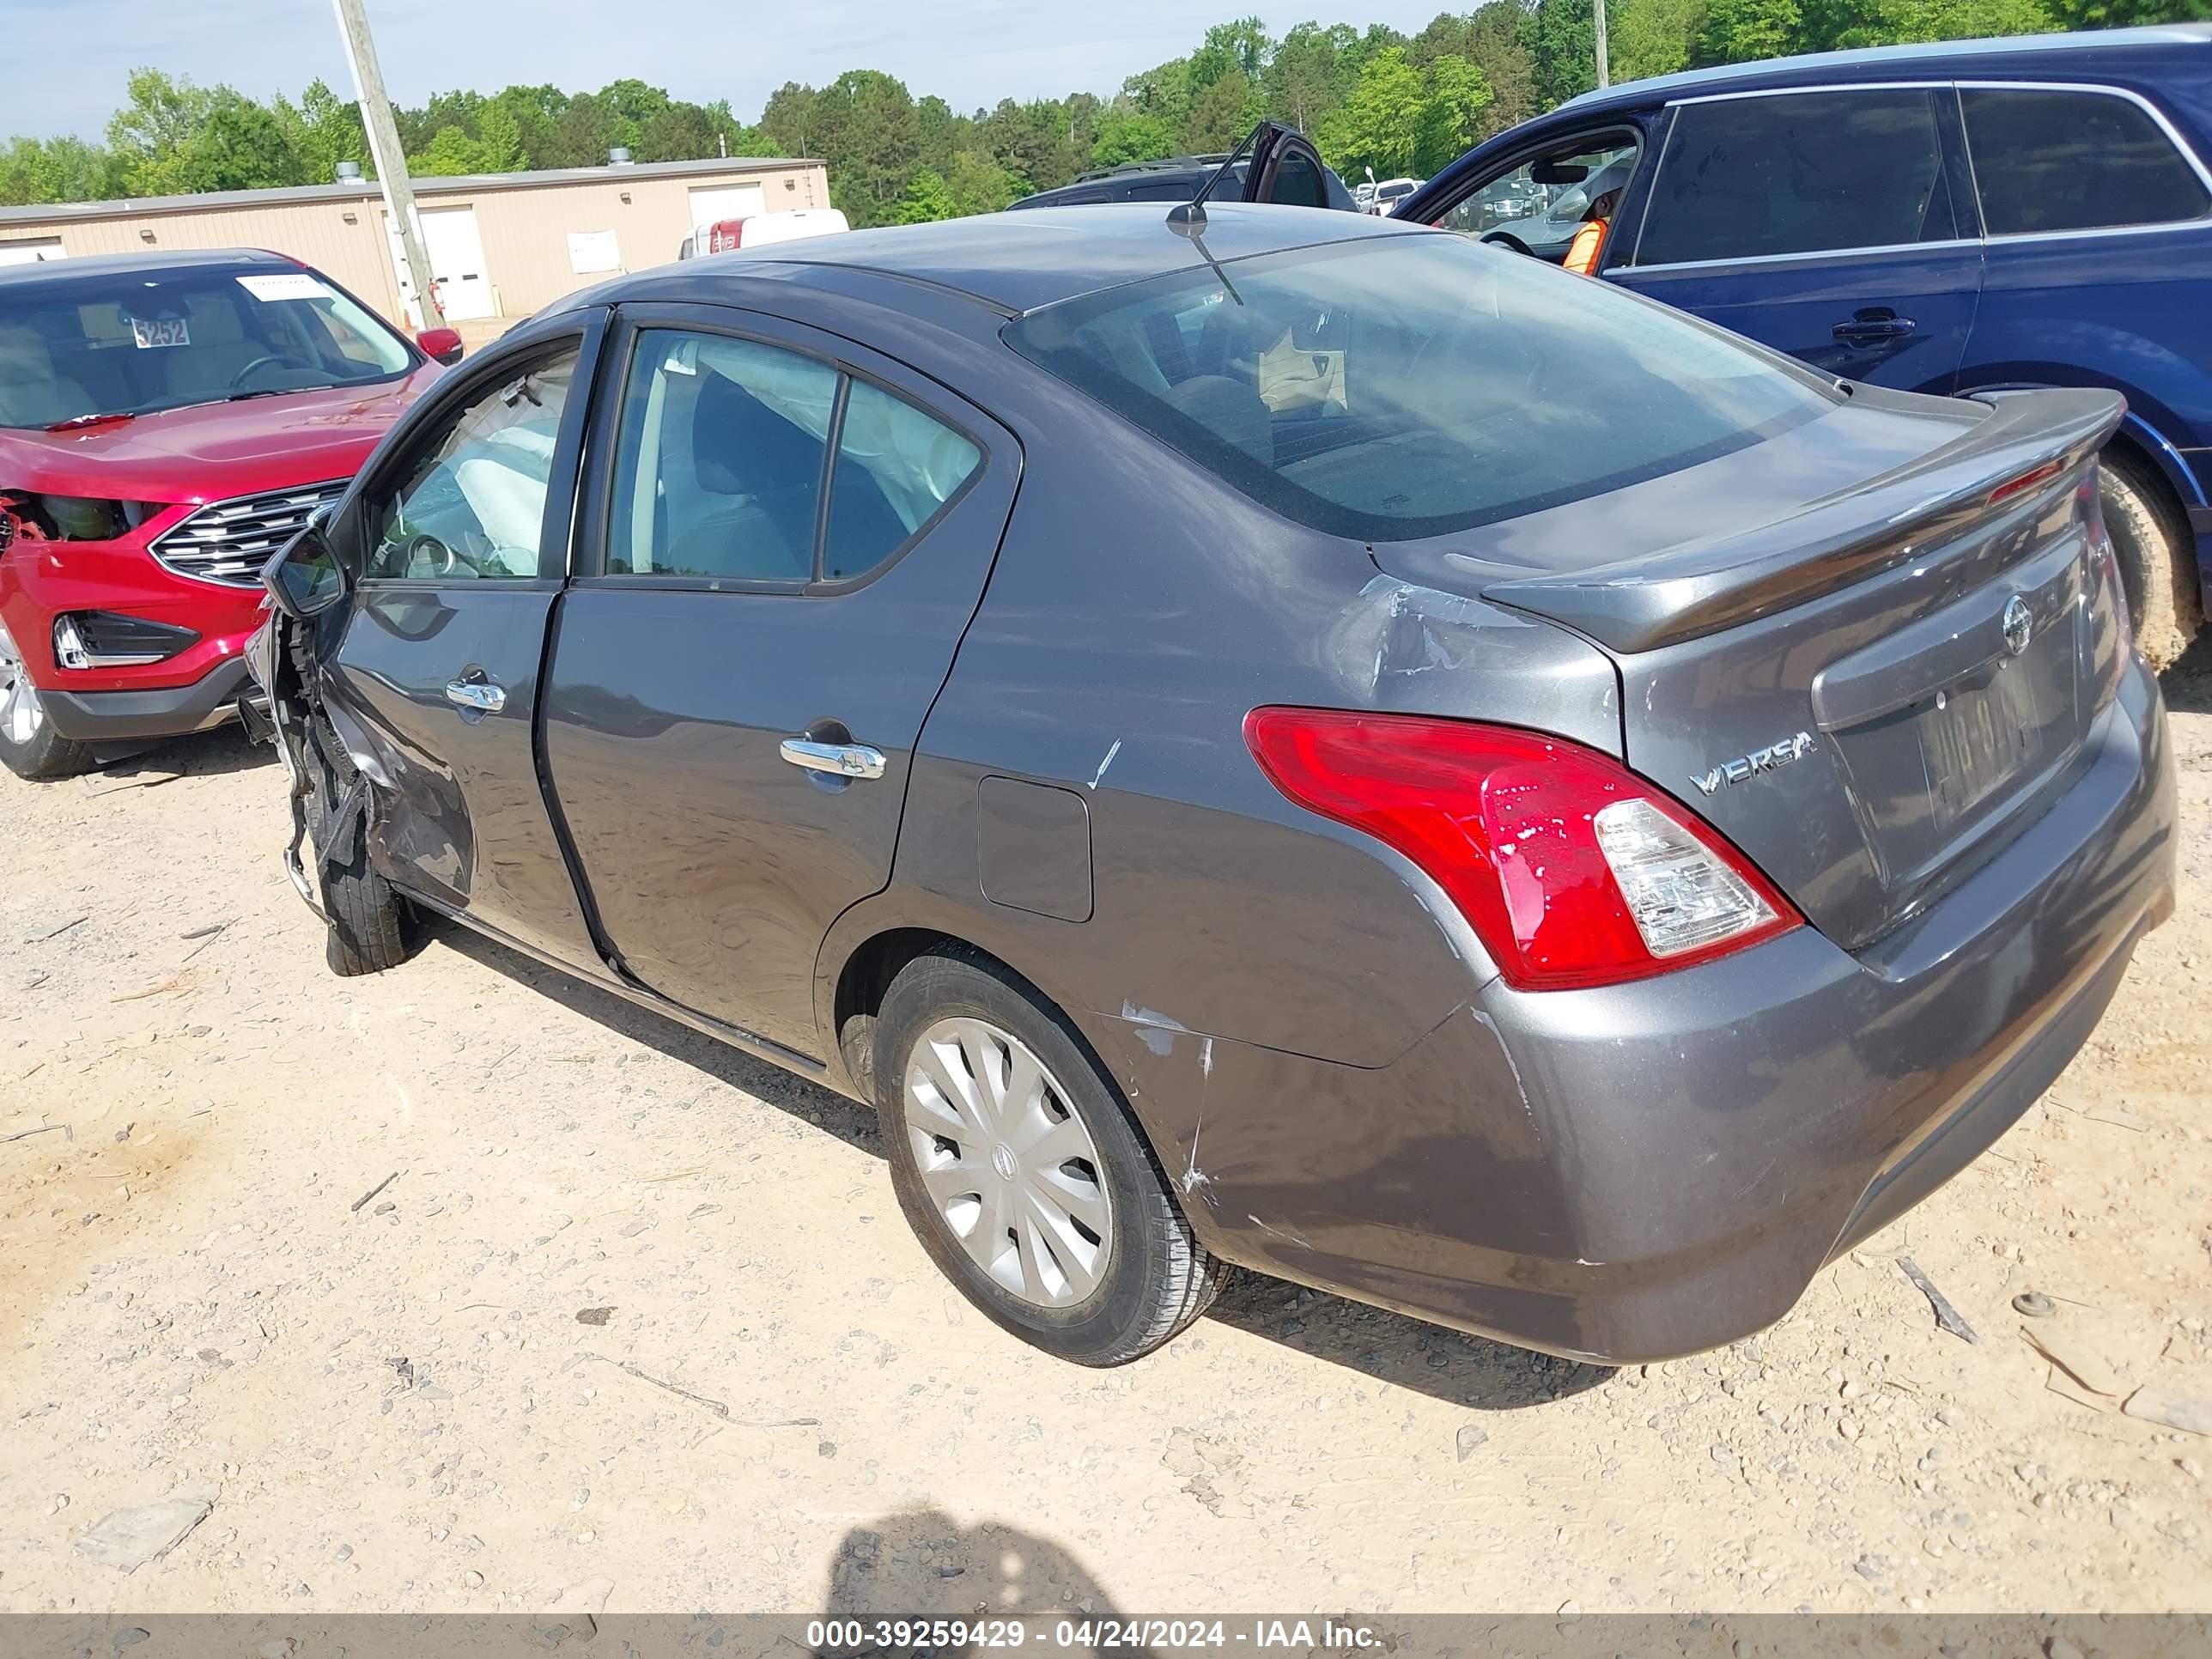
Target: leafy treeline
(1374, 98)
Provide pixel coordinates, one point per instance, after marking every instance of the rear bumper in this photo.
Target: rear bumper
(162, 711)
(1641, 1171)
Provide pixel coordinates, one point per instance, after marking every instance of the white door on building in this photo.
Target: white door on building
(30, 252)
(455, 248)
(712, 204)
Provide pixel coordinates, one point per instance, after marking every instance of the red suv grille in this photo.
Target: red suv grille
(230, 541)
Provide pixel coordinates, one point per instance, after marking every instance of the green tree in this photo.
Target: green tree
(34, 171)
(149, 133)
(1304, 82)
(976, 184)
(1454, 94)
(498, 142)
(1164, 92)
(450, 153)
(241, 146)
(1223, 113)
(1743, 31)
(1378, 125)
(1561, 39)
(924, 199)
(1653, 37)
(1126, 136)
(323, 131)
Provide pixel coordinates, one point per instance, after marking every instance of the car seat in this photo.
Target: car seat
(769, 471)
(32, 393)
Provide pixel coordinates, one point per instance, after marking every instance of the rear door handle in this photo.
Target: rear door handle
(474, 691)
(841, 760)
(1879, 323)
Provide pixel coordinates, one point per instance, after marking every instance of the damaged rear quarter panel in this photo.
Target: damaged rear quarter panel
(1125, 634)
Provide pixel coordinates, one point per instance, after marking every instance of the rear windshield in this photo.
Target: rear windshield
(132, 343)
(1413, 386)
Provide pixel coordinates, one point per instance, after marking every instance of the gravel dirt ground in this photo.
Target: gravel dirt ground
(628, 1318)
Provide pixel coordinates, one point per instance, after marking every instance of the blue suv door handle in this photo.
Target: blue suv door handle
(1874, 323)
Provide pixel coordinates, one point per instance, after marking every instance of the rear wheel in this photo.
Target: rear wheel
(1022, 1172)
(2157, 558)
(28, 743)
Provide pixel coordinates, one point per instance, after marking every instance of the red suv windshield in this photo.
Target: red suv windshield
(132, 343)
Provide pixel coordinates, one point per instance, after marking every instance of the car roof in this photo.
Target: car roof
(1883, 63)
(1017, 262)
(63, 271)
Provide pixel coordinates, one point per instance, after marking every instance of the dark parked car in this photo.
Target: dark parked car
(1289, 171)
(1952, 218)
(1297, 740)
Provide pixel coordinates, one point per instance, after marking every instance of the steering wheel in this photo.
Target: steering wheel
(437, 554)
(267, 359)
(1507, 239)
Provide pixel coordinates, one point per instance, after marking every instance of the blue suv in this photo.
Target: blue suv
(1955, 218)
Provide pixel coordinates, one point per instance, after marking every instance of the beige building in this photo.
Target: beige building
(500, 246)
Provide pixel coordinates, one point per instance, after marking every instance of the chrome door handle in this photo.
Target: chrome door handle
(478, 694)
(841, 760)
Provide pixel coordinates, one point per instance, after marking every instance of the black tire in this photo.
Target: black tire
(47, 756)
(369, 928)
(1157, 1277)
(2157, 558)
(44, 754)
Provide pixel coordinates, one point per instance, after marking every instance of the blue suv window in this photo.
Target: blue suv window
(1752, 178)
(2050, 160)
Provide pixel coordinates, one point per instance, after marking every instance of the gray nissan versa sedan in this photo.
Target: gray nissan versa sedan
(1295, 740)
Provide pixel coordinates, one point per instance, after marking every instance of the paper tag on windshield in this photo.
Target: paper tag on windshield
(149, 331)
(284, 285)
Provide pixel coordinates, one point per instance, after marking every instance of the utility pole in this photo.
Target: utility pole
(1604, 68)
(391, 161)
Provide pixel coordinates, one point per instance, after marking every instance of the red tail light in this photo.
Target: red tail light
(1571, 869)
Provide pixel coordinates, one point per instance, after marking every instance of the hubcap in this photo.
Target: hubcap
(1007, 1162)
(20, 714)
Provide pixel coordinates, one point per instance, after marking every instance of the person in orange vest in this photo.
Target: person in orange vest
(1597, 218)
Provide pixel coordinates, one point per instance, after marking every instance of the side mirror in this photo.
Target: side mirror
(1559, 173)
(305, 578)
(441, 345)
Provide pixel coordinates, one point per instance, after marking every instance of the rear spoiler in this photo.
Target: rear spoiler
(1701, 587)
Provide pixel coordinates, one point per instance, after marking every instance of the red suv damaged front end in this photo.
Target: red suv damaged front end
(166, 425)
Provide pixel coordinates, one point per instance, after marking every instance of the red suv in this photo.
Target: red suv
(166, 423)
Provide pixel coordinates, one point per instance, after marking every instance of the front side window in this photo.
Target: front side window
(1414, 385)
(724, 449)
(472, 506)
(1542, 217)
(2049, 160)
(1753, 178)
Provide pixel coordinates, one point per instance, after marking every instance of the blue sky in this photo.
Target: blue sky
(72, 55)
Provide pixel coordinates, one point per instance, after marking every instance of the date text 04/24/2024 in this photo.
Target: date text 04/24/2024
(831, 1636)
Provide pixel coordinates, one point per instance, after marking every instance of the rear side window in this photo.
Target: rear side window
(2050, 161)
(1747, 178)
(721, 465)
(1410, 386)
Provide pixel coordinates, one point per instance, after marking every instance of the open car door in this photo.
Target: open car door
(1286, 170)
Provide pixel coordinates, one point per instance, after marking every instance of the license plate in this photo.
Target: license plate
(1994, 737)
(148, 331)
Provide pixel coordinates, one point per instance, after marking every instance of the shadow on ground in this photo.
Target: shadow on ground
(922, 1564)
(2188, 683)
(1385, 1348)
(206, 754)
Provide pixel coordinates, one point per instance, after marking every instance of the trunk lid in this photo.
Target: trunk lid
(1869, 652)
